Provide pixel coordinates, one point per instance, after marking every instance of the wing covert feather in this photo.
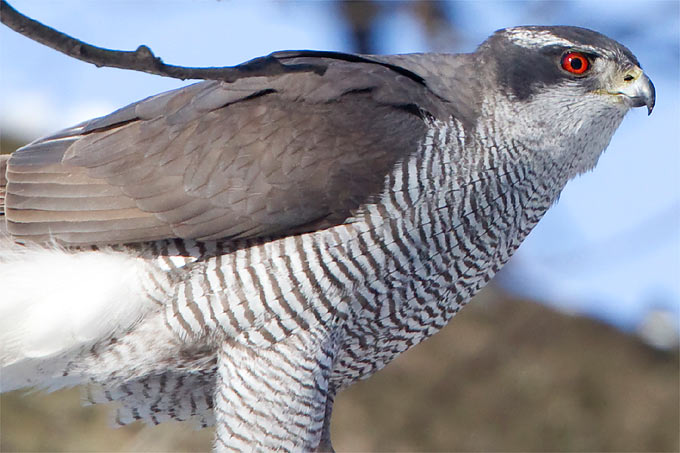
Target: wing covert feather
(259, 156)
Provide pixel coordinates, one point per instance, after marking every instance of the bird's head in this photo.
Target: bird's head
(563, 89)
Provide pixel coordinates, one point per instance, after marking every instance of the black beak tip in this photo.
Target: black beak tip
(651, 99)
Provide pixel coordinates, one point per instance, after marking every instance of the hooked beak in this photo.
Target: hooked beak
(637, 87)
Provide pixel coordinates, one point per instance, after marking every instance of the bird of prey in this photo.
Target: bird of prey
(238, 252)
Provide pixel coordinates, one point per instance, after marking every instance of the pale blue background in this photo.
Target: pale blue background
(610, 248)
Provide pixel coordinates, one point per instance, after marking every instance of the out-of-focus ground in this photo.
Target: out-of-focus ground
(505, 375)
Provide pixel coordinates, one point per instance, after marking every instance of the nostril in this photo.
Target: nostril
(628, 78)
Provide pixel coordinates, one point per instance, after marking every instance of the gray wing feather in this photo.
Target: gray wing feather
(259, 156)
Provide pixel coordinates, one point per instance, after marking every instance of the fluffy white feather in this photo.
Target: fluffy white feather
(54, 303)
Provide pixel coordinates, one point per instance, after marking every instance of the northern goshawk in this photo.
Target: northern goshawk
(239, 252)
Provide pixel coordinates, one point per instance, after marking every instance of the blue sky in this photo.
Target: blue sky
(611, 246)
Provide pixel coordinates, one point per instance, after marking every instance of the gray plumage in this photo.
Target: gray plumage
(297, 232)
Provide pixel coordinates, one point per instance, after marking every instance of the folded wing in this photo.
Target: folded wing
(258, 156)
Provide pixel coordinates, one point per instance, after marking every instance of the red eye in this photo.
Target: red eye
(575, 62)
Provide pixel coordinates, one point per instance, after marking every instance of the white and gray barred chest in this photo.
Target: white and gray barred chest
(449, 217)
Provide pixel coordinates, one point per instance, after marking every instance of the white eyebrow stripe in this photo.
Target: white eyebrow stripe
(535, 39)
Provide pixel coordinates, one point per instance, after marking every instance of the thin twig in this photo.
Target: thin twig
(141, 59)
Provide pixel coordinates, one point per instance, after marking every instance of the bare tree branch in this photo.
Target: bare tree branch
(141, 59)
